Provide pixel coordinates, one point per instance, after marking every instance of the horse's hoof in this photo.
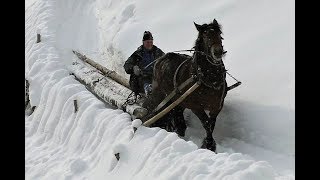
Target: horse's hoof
(209, 144)
(181, 133)
(212, 148)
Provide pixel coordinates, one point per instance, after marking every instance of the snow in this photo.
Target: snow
(254, 132)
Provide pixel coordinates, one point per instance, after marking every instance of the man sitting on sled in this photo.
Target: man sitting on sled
(139, 67)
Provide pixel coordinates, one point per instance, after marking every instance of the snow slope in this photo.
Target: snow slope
(254, 132)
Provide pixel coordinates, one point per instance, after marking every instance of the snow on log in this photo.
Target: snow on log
(112, 74)
(105, 88)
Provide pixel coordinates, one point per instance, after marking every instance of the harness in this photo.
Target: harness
(196, 77)
(213, 62)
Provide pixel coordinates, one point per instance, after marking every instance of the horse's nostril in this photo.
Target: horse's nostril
(218, 53)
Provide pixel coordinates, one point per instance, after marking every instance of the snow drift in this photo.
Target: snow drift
(254, 132)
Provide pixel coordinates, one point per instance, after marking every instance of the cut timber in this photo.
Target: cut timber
(112, 74)
(105, 88)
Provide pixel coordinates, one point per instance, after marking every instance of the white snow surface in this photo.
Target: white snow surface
(254, 132)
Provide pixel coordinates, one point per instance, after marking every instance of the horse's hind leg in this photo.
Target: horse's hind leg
(152, 102)
(164, 123)
(208, 142)
(173, 121)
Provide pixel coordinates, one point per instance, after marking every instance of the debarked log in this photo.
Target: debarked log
(105, 71)
(105, 88)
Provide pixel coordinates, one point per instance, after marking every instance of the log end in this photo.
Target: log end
(140, 112)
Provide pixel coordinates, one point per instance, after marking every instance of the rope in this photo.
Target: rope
(232, 76)
(129, 101)
(184, 50)
(213, 62)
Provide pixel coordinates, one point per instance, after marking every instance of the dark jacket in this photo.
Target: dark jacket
(137, 59)
(137, 82)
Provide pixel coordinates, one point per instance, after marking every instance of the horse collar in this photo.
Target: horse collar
(198, 74)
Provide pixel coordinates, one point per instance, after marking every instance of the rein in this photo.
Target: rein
(177, 89)
(198, 71)
(213, 62)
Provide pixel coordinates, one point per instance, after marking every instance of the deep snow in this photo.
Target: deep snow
(255, 130)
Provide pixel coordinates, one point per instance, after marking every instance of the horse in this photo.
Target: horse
(205, 67)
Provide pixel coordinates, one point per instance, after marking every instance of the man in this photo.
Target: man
(141, 79)
(136, 65)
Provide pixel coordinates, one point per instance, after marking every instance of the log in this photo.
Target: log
(106, 89)
(105, 71)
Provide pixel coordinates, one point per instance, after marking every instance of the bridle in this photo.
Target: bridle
(197, 72)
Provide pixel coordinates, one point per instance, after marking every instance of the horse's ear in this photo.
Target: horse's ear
(197, 26)
(215, 21)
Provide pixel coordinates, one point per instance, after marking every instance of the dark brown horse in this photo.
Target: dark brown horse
(206, 67)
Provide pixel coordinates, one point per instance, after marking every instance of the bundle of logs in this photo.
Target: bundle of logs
(107, 85)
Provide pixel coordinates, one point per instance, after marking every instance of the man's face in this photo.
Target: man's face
(148, 44)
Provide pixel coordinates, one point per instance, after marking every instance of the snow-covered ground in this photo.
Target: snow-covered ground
(255, 130)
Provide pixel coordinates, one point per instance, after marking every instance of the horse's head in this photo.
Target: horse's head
(211, 40)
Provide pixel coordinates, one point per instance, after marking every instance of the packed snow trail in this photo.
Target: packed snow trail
(255, 136)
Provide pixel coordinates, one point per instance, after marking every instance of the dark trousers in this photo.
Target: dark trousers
(136, 82)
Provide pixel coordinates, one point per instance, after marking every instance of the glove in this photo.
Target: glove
(136, 70)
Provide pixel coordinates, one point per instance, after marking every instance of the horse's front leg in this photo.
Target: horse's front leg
(208, 125)
(212, 121)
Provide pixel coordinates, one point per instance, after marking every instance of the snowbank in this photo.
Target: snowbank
(255, 131)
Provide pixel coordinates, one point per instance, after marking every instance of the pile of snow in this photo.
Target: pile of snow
(254, 132)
